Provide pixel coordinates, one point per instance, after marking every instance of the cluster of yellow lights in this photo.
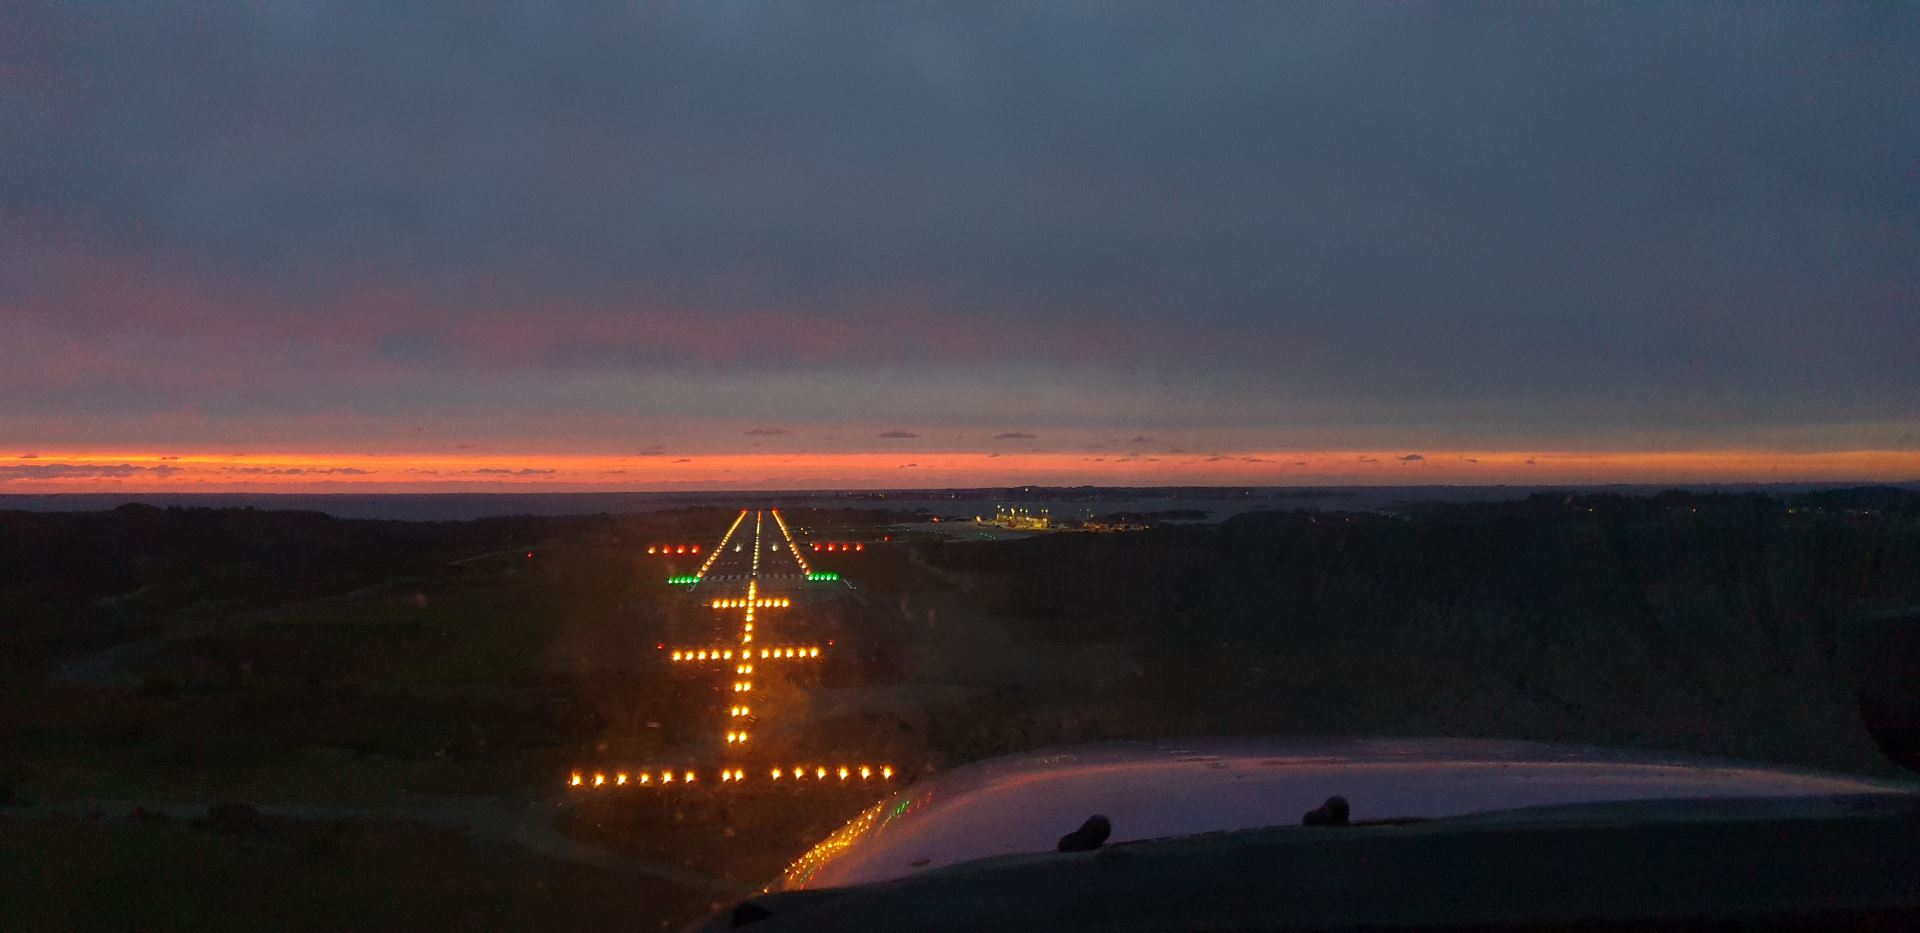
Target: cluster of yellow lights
(752, 602)
(821, 772)
(623, 779)
(728, 654)
(803, 868)
(716, 552)
(744, 654)
(663, 777)
(756, 551)
(791, 544)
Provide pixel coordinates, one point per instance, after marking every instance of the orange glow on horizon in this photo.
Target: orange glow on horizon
(130, 472)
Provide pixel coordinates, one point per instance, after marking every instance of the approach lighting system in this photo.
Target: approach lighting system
(748, 600)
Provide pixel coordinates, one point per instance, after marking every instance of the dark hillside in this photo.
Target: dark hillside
(1701, 621)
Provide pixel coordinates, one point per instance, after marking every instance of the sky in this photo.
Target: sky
(759, 244)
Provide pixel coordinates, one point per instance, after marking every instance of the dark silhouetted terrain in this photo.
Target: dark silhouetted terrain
(363, 680)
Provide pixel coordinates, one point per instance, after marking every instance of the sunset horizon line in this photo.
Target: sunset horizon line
(46, 472)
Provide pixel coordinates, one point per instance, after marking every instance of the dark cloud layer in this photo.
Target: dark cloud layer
(1411, 223)
(45, 471)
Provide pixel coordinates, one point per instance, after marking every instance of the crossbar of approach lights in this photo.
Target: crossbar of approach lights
(799, 773)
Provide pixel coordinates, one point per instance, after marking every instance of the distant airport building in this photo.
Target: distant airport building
(1016, 517)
